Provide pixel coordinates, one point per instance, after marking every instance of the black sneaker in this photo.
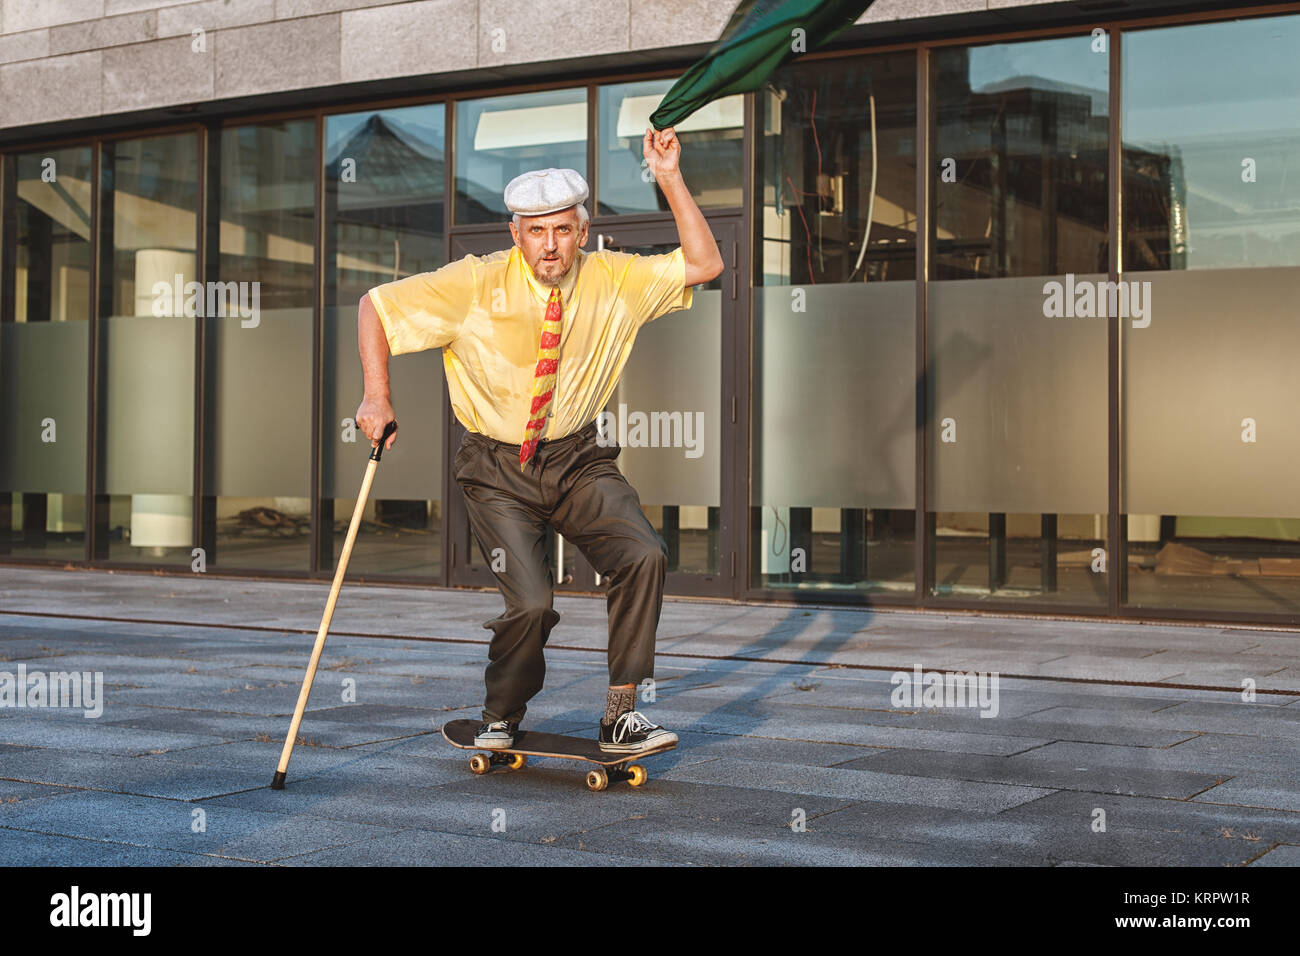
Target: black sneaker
(632, 733)
(497, 735)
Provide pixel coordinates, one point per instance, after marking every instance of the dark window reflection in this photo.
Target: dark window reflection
(1019, 182)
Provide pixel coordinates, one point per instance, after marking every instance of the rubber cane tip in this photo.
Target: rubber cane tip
(278, 782)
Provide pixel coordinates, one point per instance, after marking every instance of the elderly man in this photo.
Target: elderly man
(534, 340)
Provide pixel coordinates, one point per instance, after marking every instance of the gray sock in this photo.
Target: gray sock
(618, 702)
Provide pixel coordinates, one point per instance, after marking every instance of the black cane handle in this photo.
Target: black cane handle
(378, 451)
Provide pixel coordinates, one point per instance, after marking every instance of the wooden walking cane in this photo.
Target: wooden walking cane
(278, 782)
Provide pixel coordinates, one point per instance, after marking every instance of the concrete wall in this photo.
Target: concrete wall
(121, 63)
(67, 59)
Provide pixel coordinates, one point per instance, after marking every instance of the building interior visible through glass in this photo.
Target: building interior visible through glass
(1017, 399)
(833, 420)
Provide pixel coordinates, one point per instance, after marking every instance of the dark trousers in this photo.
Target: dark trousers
(574, 485)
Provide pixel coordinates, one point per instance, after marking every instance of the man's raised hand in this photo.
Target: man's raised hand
(662, 150)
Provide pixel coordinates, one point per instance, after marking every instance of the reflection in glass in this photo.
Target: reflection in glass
(148, 229)
(501, 137)
(258, 379)
(1018, 399)
(1020, 134)
(712, 159)
(385, 191)
(44, 354)
(1210, 155)
(834, 328)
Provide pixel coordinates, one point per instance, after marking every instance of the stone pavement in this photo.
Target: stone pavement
(784, 713)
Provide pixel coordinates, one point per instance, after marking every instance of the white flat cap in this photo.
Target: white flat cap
(541, 191)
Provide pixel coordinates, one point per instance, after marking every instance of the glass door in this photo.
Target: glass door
(671, 418)
(668, 414)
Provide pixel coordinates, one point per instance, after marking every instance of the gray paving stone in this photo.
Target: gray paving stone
(1175, 719)
(1259, 789)
(856, 784)
(723, 844)
(1258, 827)
(12, 792)
(18, 848)
(99, 738)
(746, 717)
(169, 824)
(1040, 841)
(1279, 856)
(532, 805)
(427, 848)
(1031, 770)
(139, 775)
(812, 753)
(224, 727)
(1227, 757)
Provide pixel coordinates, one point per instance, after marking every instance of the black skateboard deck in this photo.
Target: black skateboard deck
(533, 743)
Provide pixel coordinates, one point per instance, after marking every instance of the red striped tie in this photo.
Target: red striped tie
(548, 361)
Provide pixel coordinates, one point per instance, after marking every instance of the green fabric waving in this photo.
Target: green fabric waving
(758, 38)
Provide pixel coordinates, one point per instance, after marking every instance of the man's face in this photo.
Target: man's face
(550, 243)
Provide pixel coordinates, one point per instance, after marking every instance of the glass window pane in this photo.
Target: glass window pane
(385, 192)
(1210, 155)
(712, 149)
(259, 350)
(148, 209)
(501, 137)
(1211, 197)
(1019, 181)
(44, 355)
(834, 328)
(1018, 387)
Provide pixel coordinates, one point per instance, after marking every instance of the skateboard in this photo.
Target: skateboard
(532, 743)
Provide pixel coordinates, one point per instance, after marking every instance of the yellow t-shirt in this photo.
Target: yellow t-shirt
(486, 312)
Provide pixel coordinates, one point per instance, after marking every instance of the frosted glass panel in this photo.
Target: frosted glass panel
(43, 379)
(262, 386)
(1220, 349)
(1026, 396)
(674, 368)
(834, 396)
(149, 405)
(413, 468)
